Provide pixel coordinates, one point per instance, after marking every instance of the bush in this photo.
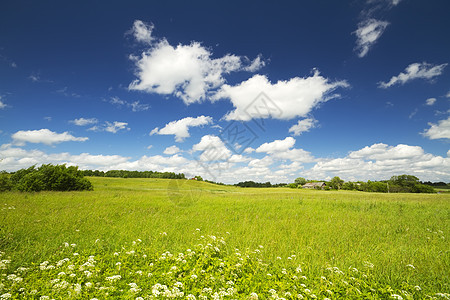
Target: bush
(5, 182)
(50, 178)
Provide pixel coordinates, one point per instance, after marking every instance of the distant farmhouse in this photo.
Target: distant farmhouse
(314, 185)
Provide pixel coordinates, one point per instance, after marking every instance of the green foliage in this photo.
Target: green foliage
(5, 182)
(292, 185)
(198, 178)
(300, 181)
(50, 178)
(133, 174)
(336, 183)
(322, 229)
(404, 180)
(210, 269)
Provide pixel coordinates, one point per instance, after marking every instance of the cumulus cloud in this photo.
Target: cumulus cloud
(368, 32)
(142, 32)
(277, 146)
(282, 149)
(430, 101)
(180, 128)
(212, 148)
(381, 161)
(44, 136)
(303, 126)
(187, 71)
(415, 71)
(2, 104)
(83, 121)
(172, 150)
(441, 130)
(285, 100)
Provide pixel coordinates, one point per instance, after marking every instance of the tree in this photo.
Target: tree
(300, 181)
(5, 182)
(336, 183)
(50, 178)
(404, 180)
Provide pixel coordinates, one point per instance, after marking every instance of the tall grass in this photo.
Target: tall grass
(321, 228)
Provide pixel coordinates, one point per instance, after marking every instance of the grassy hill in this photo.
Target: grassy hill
(403, 236)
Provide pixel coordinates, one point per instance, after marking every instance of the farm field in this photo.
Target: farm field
(255, 243)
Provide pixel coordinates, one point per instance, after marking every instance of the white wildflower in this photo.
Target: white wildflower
(254, 296)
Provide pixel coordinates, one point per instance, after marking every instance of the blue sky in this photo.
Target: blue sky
(230, 91)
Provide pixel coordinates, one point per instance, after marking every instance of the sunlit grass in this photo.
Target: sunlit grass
(321, 228)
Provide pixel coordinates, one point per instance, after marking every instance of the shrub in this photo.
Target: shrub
(5, 182)
(50, 178)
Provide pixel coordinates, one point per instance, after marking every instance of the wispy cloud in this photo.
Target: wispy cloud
(2, 103)
(135, 106)
(368, 32)
(65, 92)
(430, 101)
(112, 127)
(83, 121)
(415, 71)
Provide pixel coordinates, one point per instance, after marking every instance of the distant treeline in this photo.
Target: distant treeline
(396, 184)
(258, 184)
(134, 174)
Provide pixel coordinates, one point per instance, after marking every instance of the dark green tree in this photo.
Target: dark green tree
(336, 183)
(300, 181)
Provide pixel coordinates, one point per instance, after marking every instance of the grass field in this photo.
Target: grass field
(321, 244)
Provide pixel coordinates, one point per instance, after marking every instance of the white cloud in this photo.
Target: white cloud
(212, 148)
(368, 32)
(150, 147)
(83, 121)
(441, 130)
(303, 126)
(281, 149)
(255, 65)
(448, 94)
(180, 128)
(113, 127)
(172, 150)
(277, 146)
(2, 104)
(382, 152)
(430, 101)
(44, 136)
(186, 71)
(381, 161)
(415, 71)
(34, 77)
(288, 99)
(142, 32)
(135, 106)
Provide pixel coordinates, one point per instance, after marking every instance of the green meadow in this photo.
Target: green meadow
(248, 243)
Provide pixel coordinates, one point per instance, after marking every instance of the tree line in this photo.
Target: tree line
(396, 184)
(133, 174)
